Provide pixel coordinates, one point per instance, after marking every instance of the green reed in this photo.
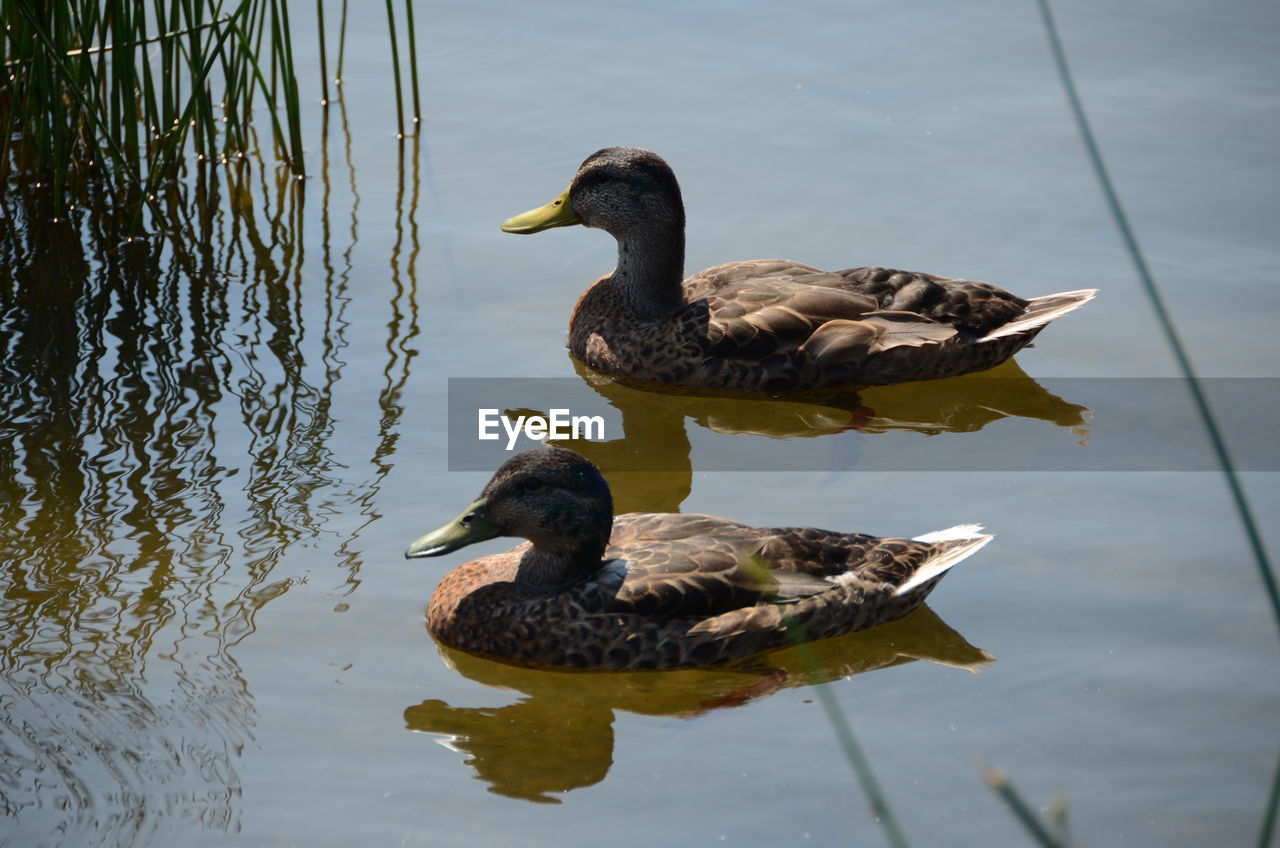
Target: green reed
(324, 55)
(127, 94)
(853, 753)
(342, 44)
(395, 68)
(1053, 834)
(840, 725)
(413, 63)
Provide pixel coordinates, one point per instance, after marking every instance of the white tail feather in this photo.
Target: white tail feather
(953, 554)
(953, 534)
(1042, 310)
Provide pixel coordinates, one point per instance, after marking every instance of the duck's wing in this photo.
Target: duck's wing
(739, 289)
(722, 280)
(699, 565)
(898, 563)
(751, 311)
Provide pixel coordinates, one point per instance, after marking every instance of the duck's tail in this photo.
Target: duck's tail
(1042, 310)
(953, 545)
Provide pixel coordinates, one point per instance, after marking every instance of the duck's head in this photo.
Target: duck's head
(553, 497)
(618, 190)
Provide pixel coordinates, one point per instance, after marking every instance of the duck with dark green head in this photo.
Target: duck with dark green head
(659, 590)
(766, 324)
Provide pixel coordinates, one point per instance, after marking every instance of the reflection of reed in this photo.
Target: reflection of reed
(402, 329)
(113, 539)
(166, 435)
(559, 735)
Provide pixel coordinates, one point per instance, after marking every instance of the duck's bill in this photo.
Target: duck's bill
(467, 529)
(557, 213)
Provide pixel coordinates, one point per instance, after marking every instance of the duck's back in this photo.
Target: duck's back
(971, 306)
(779, 325)
(679, 565)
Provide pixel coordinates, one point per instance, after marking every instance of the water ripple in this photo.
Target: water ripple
(168, 431)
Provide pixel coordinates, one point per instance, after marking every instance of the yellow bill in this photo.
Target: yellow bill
(557, 213)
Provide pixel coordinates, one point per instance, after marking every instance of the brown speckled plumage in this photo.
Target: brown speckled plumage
(665, 590)
(770, 324)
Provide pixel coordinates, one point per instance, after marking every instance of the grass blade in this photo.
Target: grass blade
(413, 63)
(342, 44)
(853, 753)
(395, 68)
(999, 782)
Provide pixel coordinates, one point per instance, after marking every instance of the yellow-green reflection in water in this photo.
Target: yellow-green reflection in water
(170, 412)
(650, 465)
(558, 736)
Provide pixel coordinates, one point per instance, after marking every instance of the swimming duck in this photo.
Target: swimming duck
(766, 324)
(659, 590)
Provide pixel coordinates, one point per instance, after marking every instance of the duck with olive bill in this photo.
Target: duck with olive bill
(659, 590)
(766, 324)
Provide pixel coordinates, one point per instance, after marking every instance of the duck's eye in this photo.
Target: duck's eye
(531, 484)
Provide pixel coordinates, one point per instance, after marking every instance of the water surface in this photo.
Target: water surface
(212, 459)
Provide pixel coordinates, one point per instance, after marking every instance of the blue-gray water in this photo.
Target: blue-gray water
(211, 635)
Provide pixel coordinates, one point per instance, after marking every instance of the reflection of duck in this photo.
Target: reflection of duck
(559, 735)
(649, 465)
(659, 590)
(766, 324)
(955, 405)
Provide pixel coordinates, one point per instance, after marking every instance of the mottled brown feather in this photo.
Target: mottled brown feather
(674, 590)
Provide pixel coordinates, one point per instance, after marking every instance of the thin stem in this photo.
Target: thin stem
(342, 43)
(128, 45)
(853, 753)
(91, 114)
(324, 58)
(413, 63)
(1163, 316)
(395, 67)
(999, 782)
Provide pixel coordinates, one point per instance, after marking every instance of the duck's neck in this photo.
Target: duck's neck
(650, 272)
(556, 563)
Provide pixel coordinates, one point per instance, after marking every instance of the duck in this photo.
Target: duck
(588, 590)
(766, 324)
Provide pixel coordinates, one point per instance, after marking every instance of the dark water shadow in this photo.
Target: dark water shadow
(559, 734)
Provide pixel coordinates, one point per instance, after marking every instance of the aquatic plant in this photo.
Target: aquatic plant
(125, 94)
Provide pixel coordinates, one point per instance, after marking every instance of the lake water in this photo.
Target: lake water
(212, 461)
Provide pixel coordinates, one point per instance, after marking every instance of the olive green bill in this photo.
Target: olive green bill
(467, 529)
(557, 213)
